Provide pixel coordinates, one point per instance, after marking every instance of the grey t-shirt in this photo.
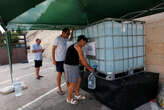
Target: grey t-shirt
(61, 47)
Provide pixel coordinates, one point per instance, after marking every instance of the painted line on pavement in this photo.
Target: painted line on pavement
(3, 82)
(37, 99)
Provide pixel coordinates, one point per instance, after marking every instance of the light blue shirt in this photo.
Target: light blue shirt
(37, 55)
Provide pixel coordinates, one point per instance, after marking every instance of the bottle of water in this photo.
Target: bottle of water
(18, 88)
(92, 79)
(160, 98)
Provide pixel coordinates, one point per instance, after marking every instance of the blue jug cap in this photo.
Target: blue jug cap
(94, 66)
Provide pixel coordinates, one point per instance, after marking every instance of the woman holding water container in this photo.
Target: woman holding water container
(71, 68)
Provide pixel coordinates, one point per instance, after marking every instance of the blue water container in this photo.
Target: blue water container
(119, 66)
(140, 51)
(130, 65)
(134, 51)
(130, 41)
(126, 64)
(83, 31)
(95, 31)
(108, 28)
(119, 46)
(130, 29)
(135, 63)
(101, 53)
(90, 33)
(101, 42)
(101, 31)
(140, 61)
(134, 29)
(140, 40)
(109, 42)
(101, 66)
(126, 53)
(86, 32)
(109, 54)
(78, 32)
(117, 28)
(130, 52)
(124, 29)
(140, 29)
(118, 53)
(134, 40)
(110, 66)
(125, 41)
(118, 41)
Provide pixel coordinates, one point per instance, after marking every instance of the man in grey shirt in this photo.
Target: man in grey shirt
(58, 54)
(37, 53)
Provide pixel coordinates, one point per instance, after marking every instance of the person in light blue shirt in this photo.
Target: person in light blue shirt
(37, 53)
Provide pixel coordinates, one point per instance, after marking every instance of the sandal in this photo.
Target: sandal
(73, 101)
(80, 97)
(61, 92)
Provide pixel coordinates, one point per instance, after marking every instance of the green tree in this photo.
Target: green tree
(2, 41)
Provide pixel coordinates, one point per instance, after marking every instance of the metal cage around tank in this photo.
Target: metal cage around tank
(120, 45)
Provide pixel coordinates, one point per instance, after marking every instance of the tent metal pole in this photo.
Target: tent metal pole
(8, 44)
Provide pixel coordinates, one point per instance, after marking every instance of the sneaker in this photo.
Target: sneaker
(38, 78)
(61, 92)
(80, 97)
(73, 101)
(41, 76)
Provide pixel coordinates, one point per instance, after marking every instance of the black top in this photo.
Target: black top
(72, 57)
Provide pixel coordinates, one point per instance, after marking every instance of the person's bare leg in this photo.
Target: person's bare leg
(64, 76)
(71, 87)
(59, 81)
(77, 94)
(78, 87)
(67, 84)
(37, 71)
(65, 80)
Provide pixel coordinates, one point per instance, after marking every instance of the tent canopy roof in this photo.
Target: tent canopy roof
(74, 12)
(9, 9)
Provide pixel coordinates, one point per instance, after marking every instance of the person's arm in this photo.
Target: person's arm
(35, 51)
(71, 38)
(53, 54)
(53, 50)
(82, 58)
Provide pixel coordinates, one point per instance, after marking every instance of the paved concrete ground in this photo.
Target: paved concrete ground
(41, 94)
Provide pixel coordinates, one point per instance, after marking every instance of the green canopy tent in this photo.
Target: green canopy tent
(54, 14)
(9, 9)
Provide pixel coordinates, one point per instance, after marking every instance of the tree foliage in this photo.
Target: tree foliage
(14, 39)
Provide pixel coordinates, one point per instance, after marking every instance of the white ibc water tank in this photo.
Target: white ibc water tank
(119, 46)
